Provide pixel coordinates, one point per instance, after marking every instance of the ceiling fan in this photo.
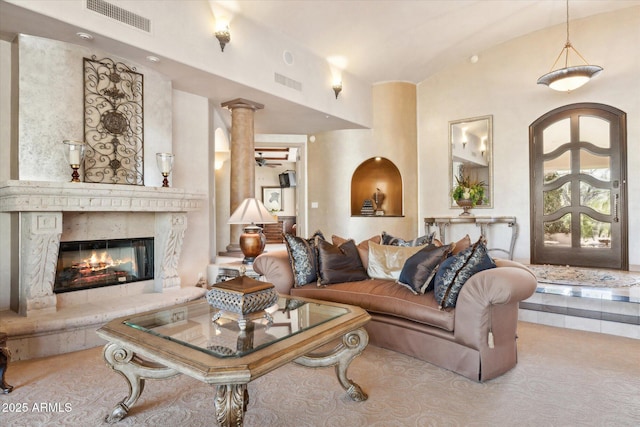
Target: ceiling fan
(262, 161)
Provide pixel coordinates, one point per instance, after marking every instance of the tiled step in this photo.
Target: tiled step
(604, 310)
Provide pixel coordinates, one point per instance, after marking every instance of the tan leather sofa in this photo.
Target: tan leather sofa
(476, 339)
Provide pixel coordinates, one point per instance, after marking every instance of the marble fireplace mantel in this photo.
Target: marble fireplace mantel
(43, 196)
(41, 206)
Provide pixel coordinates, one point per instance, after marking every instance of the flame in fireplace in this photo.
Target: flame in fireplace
(101, 262)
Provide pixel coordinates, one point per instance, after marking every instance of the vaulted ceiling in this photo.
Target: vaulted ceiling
(410, 40)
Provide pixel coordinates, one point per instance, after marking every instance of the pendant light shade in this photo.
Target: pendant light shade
(570, 77)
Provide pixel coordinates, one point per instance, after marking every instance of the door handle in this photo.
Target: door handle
(615, 208)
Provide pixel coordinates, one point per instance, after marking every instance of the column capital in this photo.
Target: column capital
(242, 103)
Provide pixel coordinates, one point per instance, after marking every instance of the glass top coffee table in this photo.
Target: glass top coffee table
(183, 339)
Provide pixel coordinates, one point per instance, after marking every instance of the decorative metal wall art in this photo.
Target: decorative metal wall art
(113, 122)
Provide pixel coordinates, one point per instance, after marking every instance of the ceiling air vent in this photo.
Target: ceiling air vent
(119, 14)
(284, 80)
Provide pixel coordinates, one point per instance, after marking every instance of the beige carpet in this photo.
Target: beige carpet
(563, 378)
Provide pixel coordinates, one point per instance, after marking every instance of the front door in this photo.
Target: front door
(578, 187)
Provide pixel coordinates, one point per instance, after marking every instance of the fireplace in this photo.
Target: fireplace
(97, 263)
(45, 215)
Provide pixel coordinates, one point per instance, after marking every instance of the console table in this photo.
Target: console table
(442, 222)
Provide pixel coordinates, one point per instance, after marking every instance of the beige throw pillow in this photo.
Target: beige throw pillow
(386, 261)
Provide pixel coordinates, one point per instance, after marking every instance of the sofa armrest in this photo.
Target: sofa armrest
(489, 301)
(276, 269)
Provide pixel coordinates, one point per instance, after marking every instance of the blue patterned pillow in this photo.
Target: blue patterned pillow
(388, 239)
(456, 270)
(420, 268)
(303, 256)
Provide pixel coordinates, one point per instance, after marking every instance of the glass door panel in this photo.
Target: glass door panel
(558, 233)
(593, 233)
(556, 134)
(595, 130)
(557, 198)
(598, 199)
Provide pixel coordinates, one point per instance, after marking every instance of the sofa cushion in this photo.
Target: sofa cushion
(456, 270)
(363, 247)
(386, 262)
(303, 257)
(339, 263)
(420, 268)
(388, 239)
(461, 245)
(383, 297)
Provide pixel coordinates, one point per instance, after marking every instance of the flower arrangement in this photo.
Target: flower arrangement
(466, 189)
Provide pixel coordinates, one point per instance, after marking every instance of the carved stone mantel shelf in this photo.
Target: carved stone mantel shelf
(41, 206)
(42, 196)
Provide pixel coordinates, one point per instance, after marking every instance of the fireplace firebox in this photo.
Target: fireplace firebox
(98, 263)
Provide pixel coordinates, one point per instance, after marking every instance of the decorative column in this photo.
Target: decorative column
(242, 162)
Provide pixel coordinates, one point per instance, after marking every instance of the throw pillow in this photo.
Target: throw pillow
(303, 257)
(456, 270)
(339, 263)
(363, 247)
(461, 245)
(420, 268)
(386, 262)
(388, 239)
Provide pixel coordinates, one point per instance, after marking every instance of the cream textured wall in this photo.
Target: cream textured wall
(334, 156)
(190, 142)
(503, 83)
(50, 94)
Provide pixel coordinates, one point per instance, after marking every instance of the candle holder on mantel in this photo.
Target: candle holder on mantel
(165, 163)
(74, 152)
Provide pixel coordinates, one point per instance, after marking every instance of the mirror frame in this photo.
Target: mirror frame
(488, 155)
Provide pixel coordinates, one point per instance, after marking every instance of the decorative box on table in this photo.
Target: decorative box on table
(242, 299)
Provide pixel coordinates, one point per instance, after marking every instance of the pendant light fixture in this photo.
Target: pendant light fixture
(570, 77)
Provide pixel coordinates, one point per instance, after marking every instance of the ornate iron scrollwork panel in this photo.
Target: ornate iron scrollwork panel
(113, 122)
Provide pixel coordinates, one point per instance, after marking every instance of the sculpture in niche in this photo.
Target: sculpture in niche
(471, 154)
(113, 122)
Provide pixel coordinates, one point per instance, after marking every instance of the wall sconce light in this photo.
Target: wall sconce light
(337, 88)
(483, 145)
(224, 36)
(569, 78)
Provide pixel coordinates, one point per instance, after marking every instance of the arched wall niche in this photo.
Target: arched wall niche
(372, 174)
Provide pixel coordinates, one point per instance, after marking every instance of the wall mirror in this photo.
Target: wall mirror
(471, 154)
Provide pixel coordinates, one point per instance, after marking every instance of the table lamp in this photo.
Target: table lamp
(251, 212)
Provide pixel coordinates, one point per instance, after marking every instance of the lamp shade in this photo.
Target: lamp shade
(569, 78)
(251, 211)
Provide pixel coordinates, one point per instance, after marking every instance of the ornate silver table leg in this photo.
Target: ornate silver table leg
(135, 370)
(353, 343)
(231, 403)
